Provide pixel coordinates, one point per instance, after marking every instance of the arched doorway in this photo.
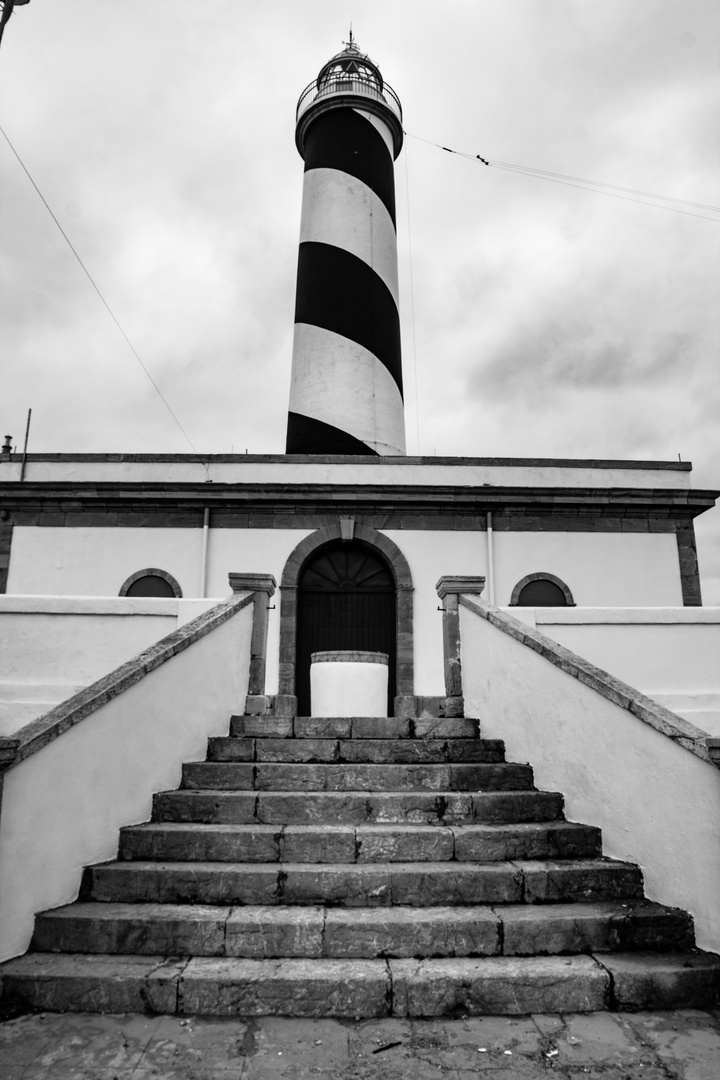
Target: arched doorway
(345, 600)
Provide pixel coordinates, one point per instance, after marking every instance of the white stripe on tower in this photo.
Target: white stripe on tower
(346, 388)
(334, 375)
(337, 209)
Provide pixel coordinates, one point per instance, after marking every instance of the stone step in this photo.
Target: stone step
(363, 933)
(357, 751)
(270, 776)
(353, 727)
(179, 842)
(357, 807)
(428, 884)
(495, 985)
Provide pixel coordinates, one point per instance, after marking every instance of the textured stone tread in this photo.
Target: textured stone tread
(499, 985)
(365, 988)
(357, 807)
(256, 931)
(689, 980)
(295, 987)
(270, 776)
(323, 843)
(369, 751)
(357, 727)
(360, 884)
(181, 929)
(360, 867)
(552, 881)
(58, 982)
(593, 927)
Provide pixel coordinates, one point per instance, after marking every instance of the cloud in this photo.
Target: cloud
(537, 318)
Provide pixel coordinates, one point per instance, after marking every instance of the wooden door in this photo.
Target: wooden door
(346, 600)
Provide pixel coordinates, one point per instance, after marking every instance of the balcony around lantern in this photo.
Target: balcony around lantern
(348, 85)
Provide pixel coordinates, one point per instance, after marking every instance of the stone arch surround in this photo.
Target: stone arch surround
(541, 576)
(151, 571)
(286, 701)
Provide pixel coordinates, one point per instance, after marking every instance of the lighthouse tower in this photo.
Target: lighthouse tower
(346, 390)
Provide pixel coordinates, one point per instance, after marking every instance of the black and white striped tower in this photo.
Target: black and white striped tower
(346, 390)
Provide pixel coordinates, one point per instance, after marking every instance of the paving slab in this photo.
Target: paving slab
(599, 1039)
(679, 1045)
(686, 1041)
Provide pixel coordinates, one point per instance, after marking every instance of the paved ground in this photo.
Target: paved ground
(599, 1046)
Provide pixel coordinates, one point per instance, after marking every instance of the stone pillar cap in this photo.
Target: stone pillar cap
(252, 583)
(472, 585)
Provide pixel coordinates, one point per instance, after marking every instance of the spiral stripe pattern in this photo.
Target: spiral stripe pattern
(346, 390)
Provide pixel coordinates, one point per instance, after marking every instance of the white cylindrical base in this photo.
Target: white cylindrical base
(349, 683)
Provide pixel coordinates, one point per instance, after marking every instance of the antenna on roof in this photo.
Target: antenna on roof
(24, 457)
(351, 43)
(7, 10)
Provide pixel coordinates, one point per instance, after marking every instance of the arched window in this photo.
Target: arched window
(541, 590)
(151, 582)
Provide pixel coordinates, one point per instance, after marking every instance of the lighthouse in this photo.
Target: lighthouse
(346, 394)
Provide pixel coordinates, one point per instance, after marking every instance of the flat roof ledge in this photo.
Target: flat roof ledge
(364, 459)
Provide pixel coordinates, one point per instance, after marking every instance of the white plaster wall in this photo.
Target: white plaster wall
(667, 657)
(600, 569)
(62, 807)
(430, 555)
(96, 561)
(671, 654)
(50, 647)
(403, 471)
(254, 551)
(657, 804)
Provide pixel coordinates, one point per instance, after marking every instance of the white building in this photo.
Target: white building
(121, 655)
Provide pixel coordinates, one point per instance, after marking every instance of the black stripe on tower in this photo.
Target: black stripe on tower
(346, 141)
(339, 292)
(305, 435)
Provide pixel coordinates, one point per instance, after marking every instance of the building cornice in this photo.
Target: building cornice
(128, 497)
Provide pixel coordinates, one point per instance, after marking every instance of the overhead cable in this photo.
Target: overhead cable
(598, 186)
(97, 290)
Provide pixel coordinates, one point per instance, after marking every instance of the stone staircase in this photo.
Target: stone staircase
(360, 867)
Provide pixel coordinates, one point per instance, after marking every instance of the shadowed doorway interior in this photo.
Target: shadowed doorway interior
(346, 600)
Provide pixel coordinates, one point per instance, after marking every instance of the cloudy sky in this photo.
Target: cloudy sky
(538, 319)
